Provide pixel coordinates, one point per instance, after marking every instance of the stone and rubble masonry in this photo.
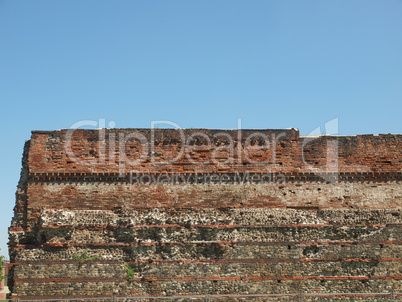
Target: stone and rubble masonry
(140, 212)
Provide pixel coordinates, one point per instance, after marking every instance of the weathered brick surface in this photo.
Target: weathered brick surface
(325, 218)
(86, 195)
(362, 153)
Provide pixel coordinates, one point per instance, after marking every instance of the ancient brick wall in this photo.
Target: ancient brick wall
(196, 211)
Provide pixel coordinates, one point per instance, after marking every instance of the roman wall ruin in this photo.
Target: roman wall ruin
(142, 212)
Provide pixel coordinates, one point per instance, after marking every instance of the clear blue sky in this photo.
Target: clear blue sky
(274, 64)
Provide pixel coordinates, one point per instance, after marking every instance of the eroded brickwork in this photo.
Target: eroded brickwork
(161, 212)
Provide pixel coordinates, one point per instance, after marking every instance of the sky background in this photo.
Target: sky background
(200, 64)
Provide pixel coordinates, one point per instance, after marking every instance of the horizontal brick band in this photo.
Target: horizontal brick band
(74, 280)
(245, 278)
(263, 278)
(259, 260)
(194, 178)
(182, 296)
(270, 260)
(281, 243)
(196, 226)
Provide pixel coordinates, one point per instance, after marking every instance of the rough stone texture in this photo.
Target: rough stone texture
(327, 220)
